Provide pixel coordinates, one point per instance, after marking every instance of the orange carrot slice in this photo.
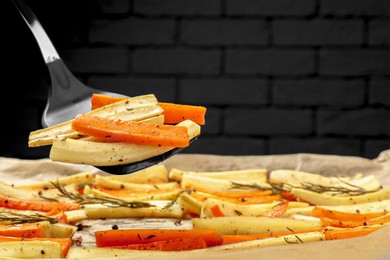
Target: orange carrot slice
(120, 237)
(173, 113)
(13, 203)
(217, 212)
(178, 244)
(277, 211)
(22, 230)
(176, 113)
(338, 215)
(99, 100)
(132, 132)
(343, 233)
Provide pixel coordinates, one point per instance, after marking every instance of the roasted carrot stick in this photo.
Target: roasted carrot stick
(106, 238)
(333, 214)
(12, 203)
(65, 242)
(132, 132)
(343, 233)
(22, 230)
(343, 219)
(277, 211)
(354, 223)
(217, 212)
(173, 113)
(99, 100)
(57, 214)
(178, 244)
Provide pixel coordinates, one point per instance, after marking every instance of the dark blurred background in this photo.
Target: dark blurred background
(277, 76)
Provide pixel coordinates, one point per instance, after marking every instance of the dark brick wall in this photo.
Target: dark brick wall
(281, 76)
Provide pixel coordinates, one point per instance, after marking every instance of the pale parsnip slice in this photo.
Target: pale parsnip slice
(306, 211)
(74, 216)
(274, 241)
(237, 175)
(253, 225)
(189, 203)
(110, 183)
(155, 174)
(218, 185)
(102, 252)
(36, 195)
(324, 199)
(234, 209)
(297, 178)
(132, 109)
(363, 208)
(31, 249)
(80, 178)
(139, 196)
(62, 230)
(108, 154)
(160, 209)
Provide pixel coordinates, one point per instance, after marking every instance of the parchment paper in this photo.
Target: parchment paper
(373, 246)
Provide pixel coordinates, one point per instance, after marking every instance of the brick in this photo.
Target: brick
(109, 6)
(178, 7)
(224, 91)
(319, 92)
(270, 8)
(354, 7)
(133, 31)
(379, 91)
(267, 121)
(355, 62)
(213, 121)
(163, 88)
(224, 32)
(176, 61)
(227, 146)
(318, 145)
(379, 32)
(270, 61)
(373, 147)
(318, 32)
(364, 122)
(96, 60)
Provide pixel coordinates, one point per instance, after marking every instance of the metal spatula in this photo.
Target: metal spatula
(68, 96)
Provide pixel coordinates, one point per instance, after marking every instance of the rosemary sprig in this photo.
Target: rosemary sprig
(83, 199)
(172, 202)
(334, 190)
(276, 188)
(236, 185)
(18, 218)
